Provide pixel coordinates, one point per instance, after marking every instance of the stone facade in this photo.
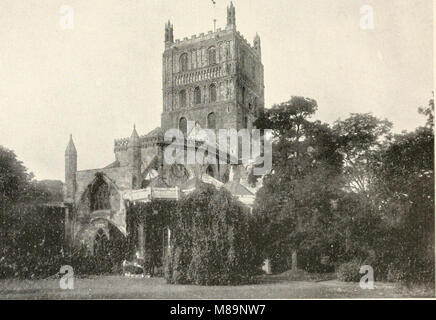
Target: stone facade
(215, 80)
(218, 72)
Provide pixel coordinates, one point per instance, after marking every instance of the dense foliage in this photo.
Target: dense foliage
(31, 247)
(155, 216)
(211, 240)
(348, 192)
(340, 196)
(31, 233)
(294, 203)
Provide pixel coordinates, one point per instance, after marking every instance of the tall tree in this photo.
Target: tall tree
(295, 201)
(361, 137)
(407, 179)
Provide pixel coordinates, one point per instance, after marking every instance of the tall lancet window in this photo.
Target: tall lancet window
(197, 95)
(183, 62)
(212, 92)
(183, 125)
(182, 98)
(211, 121)
(212, 55)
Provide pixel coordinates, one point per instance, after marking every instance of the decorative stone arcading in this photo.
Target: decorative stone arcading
(144, 141)
(203, 74)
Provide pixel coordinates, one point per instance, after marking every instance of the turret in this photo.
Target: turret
(134, 156)
(169, 34)
(70, 171)
(256, 45)
(231, 17)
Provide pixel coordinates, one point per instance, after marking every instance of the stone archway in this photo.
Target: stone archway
(110, 247)
(100, 216)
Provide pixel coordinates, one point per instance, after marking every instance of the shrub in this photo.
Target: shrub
(31, 247)
(211, 240)
(349, 271)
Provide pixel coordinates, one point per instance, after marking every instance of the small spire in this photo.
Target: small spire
(169, 33)
(134, 138)
(256, 44)
(231, 16)
(71, 148)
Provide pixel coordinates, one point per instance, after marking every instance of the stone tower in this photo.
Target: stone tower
(70, 171)
(134, 158)
(214, 79)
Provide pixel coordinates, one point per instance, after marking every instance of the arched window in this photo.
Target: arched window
(99, 195)
(212, 55)
(209, 171)
(211, 121)
(212, 93)
(100, 244)
(197, 95)
(183, 62)
(183, 125)
(182, 98)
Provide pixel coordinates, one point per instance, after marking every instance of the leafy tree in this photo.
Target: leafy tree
(361, 137)
(30, 245)
(407, 178)
(14, 179)
(429, 112)
(294, 203)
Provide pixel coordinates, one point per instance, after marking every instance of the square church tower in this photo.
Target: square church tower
(214, 79)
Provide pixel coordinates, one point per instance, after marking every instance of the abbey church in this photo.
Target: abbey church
(215, 80)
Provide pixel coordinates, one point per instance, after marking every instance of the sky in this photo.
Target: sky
(105, 74)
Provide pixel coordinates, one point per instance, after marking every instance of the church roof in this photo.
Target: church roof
(115, 164)
(156, 131)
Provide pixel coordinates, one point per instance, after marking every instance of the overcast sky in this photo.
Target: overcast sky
(99, 78)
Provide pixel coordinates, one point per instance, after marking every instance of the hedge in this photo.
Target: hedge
(211, 243)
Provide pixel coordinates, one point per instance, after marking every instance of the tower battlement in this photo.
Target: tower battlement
(145, 140)
(214, 79)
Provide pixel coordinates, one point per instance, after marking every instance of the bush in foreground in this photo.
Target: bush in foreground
(349, 271)
(211, 240)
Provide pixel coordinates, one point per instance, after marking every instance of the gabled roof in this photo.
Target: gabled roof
(115, 164)
(156, 131)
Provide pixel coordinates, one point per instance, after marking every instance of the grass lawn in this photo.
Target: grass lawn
(282, 286)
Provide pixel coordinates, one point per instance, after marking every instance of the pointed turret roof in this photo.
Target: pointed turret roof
(134, 138)
(71, 148)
